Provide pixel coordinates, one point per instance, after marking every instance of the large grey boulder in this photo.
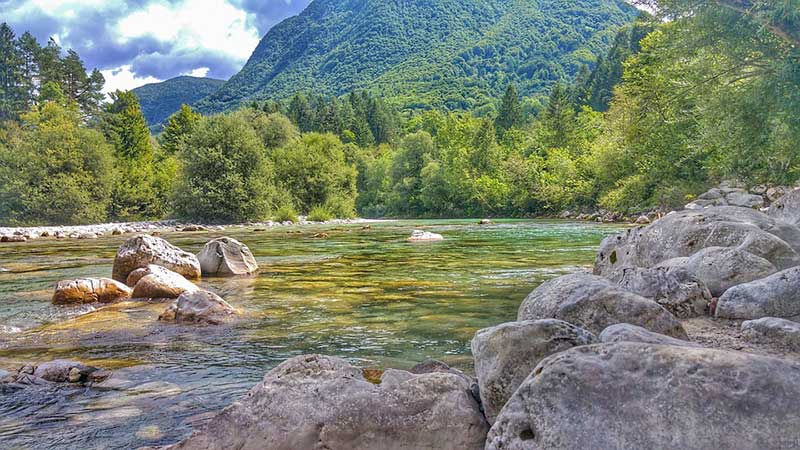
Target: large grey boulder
(226, 256)
(158, 282)
(625, 332)
(200, 307)
(141, 251)
(721, 268)
(594, 303)
(678, 290)
(658, 397)
(89, 290)
(319, 402)
(787, 208)
(773, 330)
(744, 199)
(778, 295)
(684, 233)
(506, 354)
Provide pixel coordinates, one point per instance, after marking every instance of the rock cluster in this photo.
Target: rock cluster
(57, 371)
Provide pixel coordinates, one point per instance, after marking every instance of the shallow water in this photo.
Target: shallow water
(363, 294)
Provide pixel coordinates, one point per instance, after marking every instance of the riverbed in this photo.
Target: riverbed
(360, 292)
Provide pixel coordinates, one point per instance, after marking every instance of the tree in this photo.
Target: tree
(12, 87)
(53, 170)
(510, 113)
(178, 128)
(226, 175)
(124, 125)
(29, 52)
(300, 113)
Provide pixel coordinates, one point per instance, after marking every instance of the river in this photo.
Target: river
(363, 294)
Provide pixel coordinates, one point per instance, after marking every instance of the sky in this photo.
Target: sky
(144, 41)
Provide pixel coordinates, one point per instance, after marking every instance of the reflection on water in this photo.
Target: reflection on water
(363, 294)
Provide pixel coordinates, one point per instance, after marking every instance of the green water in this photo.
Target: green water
(363, 294)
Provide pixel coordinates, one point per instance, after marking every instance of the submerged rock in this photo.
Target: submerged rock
(772, 330)
(56, 371)
(594, 303)
(676, 289)
(685, 233)
(198, 307)
(778, 295)
(625, 332)
(318, 402)
(424, 236)
(506, 354)
(227, 256)
(90, 290)
(642, 396)
(721, 268)
(158, 282)
(141, 251)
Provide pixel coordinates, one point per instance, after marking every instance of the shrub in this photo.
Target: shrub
(286, 214)
(319, 214)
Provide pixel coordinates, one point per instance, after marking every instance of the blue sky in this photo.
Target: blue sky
(142, 41)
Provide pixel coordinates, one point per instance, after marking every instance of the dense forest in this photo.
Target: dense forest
(423, 54)
(698, 94)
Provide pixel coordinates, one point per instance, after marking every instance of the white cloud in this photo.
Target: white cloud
(124, 80)
(200, 72)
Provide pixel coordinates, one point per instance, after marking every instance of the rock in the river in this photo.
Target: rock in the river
(13, 238)
(675, 288)
(226, 256)
(63, 371)
(787, 208)
(594, 303)
(90, 290)
(721, 268)
(625, 332)
(506, 354)
(642, 396)
(772, 330)
(158, 282)
(141, 251)
(318, 402)
(685, 233)
(778, 295)
(424, 236)
(198, 307)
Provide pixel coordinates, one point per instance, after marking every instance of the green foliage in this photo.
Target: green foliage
(179, 126)
(226, 175)
(319, 213)
(161, 100)
(286, 214)
(53, 170)
(423, 54)
(510, 114)
(314, 171)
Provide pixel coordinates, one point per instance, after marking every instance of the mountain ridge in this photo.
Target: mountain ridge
(161, 100)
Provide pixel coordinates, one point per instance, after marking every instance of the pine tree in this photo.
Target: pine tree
(50, 66)
(29, 49)
(300, 113)
(12, 88)
(559, 116)
(179, 126)
(510, 114)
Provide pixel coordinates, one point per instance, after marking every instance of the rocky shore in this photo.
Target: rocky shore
(684, 335)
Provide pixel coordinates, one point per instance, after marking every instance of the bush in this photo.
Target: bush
(226, 175)
(341, 207)
(319, 214)
(286, 214)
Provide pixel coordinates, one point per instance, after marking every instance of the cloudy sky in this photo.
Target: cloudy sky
(142, 41)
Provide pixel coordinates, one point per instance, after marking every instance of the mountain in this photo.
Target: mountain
(457, 54)
(161, 100)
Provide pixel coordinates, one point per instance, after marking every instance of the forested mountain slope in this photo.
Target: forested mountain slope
(458, 54)
(161, 100)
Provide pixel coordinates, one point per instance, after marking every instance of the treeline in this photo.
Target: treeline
(674, 107)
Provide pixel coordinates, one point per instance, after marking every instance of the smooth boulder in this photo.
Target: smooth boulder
(318, 402)
(89, 290)
(144, 250)
(158, 282)
(787, 208)
(658, 397)
(722, 268)
(625, 332)
(678, 290)
(506, 354)
(226, 256)
(424, 236)
(778, 295)
(773, 330)
(684, 233)
(594, 303)
(201, 307)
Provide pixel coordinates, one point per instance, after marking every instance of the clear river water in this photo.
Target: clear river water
(363, 294)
